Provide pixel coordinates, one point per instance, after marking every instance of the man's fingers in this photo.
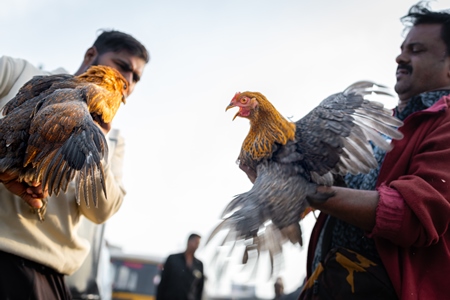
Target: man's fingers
(32, 195)
(37, 192)
(35, 202)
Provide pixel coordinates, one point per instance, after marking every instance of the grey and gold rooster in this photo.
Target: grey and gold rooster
(291, 158)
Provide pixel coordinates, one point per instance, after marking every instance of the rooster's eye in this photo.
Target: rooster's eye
(124, 86)
(244, 100)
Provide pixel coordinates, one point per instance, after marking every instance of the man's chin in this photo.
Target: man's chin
(401, 86)
(398, 88)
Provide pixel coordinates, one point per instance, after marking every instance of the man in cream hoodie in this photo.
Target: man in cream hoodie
(34, 255)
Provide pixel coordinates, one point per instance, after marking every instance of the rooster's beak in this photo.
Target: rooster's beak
(231, 105)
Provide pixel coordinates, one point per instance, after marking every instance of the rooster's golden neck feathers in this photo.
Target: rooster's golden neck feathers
(267, 127)
(109, 91)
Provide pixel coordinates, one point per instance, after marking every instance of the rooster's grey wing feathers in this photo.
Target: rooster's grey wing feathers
(334, 137)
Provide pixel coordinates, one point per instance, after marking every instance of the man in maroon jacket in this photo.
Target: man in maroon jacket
(397, 217)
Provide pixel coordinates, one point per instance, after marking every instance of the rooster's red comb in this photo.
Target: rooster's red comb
(236, 96)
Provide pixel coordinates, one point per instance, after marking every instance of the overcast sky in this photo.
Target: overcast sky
(180, 169)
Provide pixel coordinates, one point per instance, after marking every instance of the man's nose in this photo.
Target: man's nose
(402, 58)
(128, 76)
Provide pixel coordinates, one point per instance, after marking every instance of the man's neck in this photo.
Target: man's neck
(189, 256)
(402, 104)
(419, 102)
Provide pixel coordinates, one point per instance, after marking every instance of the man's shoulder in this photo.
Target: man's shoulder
(22, 65)
(175, 256)
(198, 261)
(14, 73)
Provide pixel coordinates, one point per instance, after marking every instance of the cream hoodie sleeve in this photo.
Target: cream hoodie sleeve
(14, 73)
(10, 74)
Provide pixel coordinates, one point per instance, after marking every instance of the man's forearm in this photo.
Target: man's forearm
(357, 207)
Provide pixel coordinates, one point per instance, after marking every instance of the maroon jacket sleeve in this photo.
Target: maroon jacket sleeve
(414, 181)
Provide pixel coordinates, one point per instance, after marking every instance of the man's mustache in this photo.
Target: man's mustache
(405, 67)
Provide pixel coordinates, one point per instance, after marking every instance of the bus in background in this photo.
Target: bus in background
(135, 277)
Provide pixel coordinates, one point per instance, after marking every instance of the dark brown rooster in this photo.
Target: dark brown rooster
(49, 135)
(292, 158)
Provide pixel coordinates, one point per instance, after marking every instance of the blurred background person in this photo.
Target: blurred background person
(182, 275)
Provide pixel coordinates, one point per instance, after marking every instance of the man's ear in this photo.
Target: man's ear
(90, 55)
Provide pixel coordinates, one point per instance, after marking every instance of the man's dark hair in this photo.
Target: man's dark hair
(114, 41)
(421, 14)
(193, 236)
